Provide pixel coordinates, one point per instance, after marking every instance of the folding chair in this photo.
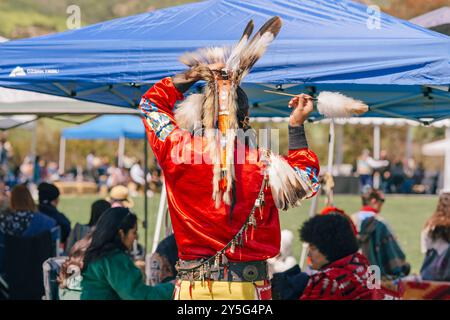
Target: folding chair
(23, 265)
(51, 268)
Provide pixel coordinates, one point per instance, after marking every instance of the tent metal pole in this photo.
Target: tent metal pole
(63, 89)
(145, 194)
(394, 102)
(441, 95)
(330, 160)
(409, 143)
(92, 91)
(62, 155)
(447, 163)
(339, 144)
(312, 213)
(440, 88)
(121, 151)
(376, 153)
(439, 119)
(281, 112)
(331, 148)
(34, 142)
(394, 115)
(313, 208)
(123, 97)
(159, 220)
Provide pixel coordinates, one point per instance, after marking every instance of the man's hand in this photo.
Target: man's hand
(302, 106)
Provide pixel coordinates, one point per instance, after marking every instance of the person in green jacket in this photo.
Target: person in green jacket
(108, 270)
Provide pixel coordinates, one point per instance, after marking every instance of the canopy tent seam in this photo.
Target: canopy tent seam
(68, 92)
(71, 121)
(271, 108)
(132, 104)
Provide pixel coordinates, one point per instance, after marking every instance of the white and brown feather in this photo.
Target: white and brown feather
(286, 185)
(238, 60)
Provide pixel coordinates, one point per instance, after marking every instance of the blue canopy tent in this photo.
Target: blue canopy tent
(108, 127)
(399, 69)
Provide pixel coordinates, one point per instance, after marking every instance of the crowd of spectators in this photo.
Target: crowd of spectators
(396, 175)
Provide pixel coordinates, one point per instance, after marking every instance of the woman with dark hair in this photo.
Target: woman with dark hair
(22, 218)
(341, 271)
(108, 270)
(98, 207)
(435, 243)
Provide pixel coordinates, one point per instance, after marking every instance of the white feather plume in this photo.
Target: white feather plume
(336, 105)
(288, 187)
(206, 56)
(188, 114)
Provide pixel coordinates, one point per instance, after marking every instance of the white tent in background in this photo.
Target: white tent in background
(441, 148)
(433, 18)
(15, 121)
(436, 148)
(377, 123)
(19, 102)
(23, 106)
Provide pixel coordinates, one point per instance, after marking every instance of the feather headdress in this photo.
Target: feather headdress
(216, 109)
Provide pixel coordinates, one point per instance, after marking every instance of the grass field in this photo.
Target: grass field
(405, 214)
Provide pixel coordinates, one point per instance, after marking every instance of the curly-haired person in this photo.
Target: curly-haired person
(342, 272)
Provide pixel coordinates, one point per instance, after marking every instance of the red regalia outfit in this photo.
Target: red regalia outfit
(232, 243)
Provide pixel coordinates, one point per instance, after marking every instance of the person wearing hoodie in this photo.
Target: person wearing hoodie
(48, 202)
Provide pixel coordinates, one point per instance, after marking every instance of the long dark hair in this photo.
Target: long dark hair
(97, 209)
(105, 237)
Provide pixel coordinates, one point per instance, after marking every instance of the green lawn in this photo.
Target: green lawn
(405, 214)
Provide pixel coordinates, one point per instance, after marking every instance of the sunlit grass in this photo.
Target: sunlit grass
(405, 214)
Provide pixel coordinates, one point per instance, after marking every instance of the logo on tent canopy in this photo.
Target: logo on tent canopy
(21, 72)
(18, 72)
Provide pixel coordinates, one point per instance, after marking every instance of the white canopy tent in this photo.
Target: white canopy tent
(441, 148)
(377, 123)
(18, 102)
(19, 107)
(7, 123)
(433, 18)
(30, 106)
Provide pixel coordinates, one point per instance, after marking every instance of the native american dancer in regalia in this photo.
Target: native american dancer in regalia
(223, 193)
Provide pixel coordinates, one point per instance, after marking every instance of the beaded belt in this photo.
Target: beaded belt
(247, 271)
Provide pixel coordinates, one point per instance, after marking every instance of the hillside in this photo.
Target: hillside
(407, 9)
(28, 18)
